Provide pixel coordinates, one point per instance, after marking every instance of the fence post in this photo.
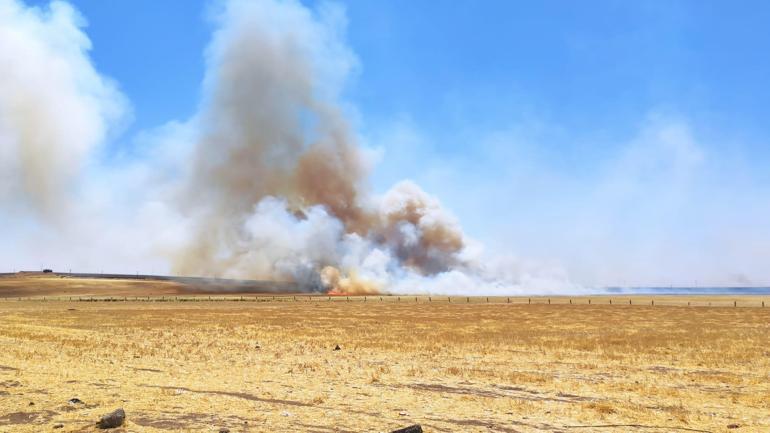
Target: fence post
(735, 303)
(449, 299)
(529, 301)
(629, 302)
(549, 301)
(589, 301)
(610, 301)
(509, 300)
(652, 302)
(570, 301)
(468, 300)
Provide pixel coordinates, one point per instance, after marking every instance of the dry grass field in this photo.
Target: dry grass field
(40, 285)
(459, 367)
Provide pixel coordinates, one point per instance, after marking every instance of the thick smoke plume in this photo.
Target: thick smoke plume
(266, 181)
(279, 184)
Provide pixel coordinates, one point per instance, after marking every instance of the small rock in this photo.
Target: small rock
(32, 403)
(224, 430)
(284, 413)
(417, 428)
(75, 401)
(112, 419)
(58, 426)
(257, 346)
(403, 413)
(337, 347)
(732, 426)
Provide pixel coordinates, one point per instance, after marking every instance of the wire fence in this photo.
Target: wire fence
(638, 301)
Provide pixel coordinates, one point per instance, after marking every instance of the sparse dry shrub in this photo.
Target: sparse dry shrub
(374, 378)
(602, 408)
(454, 371)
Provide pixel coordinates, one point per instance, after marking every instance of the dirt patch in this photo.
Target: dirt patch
(516, 392)
(178, 422)
(27, 417)
(491, 426)
(242, 395)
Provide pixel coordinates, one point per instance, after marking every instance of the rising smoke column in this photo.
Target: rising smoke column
(266, 181)
(278, 188)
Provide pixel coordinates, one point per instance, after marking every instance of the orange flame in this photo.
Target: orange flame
(337, 284)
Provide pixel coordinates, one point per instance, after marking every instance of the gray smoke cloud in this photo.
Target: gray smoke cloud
(266, 181)
(278, 188)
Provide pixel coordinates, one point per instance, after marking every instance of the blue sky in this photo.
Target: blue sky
(555, 58)
(588, 66)
(577, 133)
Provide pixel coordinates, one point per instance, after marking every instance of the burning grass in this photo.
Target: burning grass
(269, 366)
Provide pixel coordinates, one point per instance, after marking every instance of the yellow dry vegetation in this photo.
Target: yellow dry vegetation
(459, 367)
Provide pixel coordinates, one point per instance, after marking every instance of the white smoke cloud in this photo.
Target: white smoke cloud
(55, 108)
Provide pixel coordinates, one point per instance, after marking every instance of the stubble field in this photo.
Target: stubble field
(451, 367)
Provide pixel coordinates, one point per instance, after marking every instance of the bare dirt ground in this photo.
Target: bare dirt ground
(459, 367)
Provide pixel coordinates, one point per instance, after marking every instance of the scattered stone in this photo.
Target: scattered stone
(224, 430)
(732, 426)
(337, 347)
(403, 413)
(75, 401)
(257, 346)
(417, 428)
(32, 403)
(284, 413)
(58, 426)
(112, 419)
